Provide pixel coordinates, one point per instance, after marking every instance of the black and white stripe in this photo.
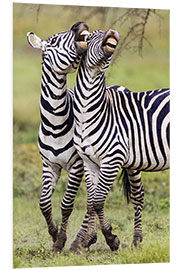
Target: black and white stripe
(116, 128)
(61, 55)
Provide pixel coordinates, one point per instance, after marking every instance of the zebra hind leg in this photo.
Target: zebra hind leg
(49, 180)
(137, 198)
(75, 177)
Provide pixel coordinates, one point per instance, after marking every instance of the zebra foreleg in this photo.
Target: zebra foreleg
(91, 234)
(111, 239)
(61, 235)
(49, 180)
(87, 234)
(102, 190)
(137, 198)
(90, 226)
(77, 243)
(75, 177)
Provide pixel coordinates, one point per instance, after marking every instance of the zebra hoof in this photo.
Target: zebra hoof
(114, 243)
(54, 234)
(59, 243)
(137, 239)
(92, 241)
(111, 239)
(75, 247)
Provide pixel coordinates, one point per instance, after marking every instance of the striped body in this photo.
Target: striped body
(134, 124)
(116, 128)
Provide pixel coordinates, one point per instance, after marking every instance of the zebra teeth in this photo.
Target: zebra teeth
(111, 43)
(82, 38)
(85, 32)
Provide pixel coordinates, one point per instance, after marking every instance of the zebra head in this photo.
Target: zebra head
(101, 46)
(62, 51)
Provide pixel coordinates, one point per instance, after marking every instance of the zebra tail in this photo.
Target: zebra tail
(125, 184)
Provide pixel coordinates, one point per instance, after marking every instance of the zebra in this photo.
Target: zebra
(61, 55)
(116, 128)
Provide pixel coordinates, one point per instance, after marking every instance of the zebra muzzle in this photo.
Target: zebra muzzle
(110, 41)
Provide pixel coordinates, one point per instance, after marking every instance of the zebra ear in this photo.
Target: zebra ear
(35, 41)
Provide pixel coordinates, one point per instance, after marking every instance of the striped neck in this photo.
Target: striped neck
(56, 102)
(53, 86)
(90, 92)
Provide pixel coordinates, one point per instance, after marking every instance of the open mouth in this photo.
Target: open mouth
(110, 44)
(81, 39)
(110, 41)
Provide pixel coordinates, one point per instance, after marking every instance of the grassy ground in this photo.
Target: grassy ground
(31, 242)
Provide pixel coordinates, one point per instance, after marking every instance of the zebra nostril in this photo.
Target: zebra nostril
(113, 33)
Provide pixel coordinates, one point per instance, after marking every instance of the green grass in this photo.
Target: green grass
(32, 244)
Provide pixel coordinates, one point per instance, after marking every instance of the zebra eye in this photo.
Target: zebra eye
(53, 40)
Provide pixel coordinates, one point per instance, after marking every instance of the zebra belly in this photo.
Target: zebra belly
(142, 162)
(149, 142)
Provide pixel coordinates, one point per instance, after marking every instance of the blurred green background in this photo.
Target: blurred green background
(31, 242)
